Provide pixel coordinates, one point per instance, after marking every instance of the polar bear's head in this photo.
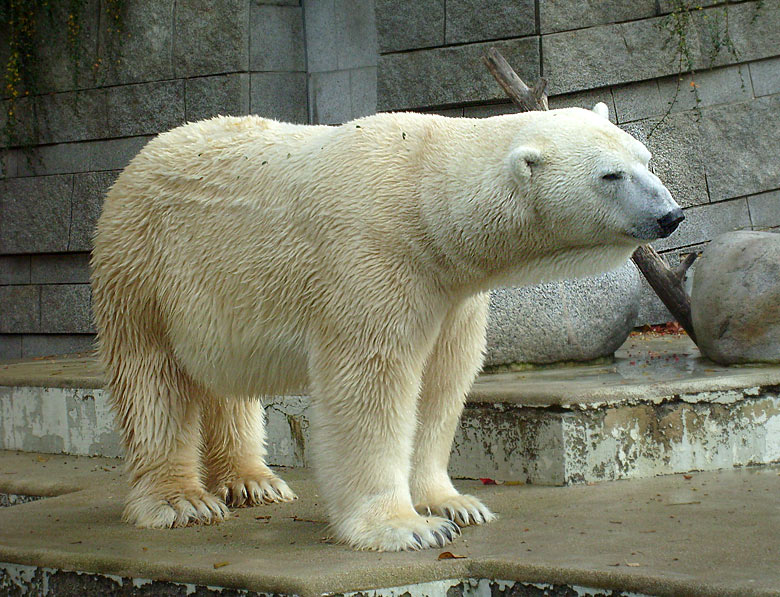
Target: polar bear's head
(588, 180)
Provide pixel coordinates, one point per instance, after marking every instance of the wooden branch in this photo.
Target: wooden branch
(667, 286)
(526, 99)
(666, 282)
(685, 264)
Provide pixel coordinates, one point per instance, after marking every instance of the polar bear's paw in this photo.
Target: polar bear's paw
(154, 512)
(462, 509)
(262, 489)
(406, 534)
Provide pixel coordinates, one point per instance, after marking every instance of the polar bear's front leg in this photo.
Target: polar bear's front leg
(363, 426)
(233, 432)
(450, 371)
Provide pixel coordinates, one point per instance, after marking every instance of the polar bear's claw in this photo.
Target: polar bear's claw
(464, 510)
(254, 492)
(406, 534)
(183, 510)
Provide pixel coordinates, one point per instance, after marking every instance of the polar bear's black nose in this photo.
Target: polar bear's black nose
(670, 221)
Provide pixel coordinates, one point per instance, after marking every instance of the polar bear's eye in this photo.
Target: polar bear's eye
(613, 176)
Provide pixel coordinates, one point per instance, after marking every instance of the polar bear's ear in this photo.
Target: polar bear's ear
(602, 110)
(523, 159)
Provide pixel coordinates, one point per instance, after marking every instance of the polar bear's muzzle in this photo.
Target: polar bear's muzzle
(670, 221)
(658, 214)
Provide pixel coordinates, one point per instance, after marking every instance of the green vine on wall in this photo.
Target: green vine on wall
(713, 25)
(27, 22)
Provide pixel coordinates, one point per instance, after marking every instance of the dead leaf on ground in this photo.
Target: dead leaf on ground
(448, 555)
(221, 564)
(489, 481)
(633, 564)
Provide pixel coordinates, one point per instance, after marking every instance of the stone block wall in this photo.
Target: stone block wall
(714, 132)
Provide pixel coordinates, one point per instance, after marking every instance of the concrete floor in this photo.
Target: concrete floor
(714, 534)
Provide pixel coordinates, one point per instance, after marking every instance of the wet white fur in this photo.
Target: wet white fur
(241, 257)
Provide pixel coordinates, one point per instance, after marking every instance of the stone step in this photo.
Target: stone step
(659, 408)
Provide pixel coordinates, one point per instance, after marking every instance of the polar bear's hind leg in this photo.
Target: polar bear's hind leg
(158, 411)
(234, 449)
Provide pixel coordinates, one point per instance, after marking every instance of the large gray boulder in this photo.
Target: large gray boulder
(573, 320)
(735, 300)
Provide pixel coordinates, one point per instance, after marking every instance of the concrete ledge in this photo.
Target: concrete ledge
(661, 536)
(658, 409)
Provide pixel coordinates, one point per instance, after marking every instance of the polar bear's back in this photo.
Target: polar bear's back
(226, 230)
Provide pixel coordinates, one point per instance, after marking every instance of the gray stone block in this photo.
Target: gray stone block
(143, 49)
(651, 310)
(735, 304)
(765, 210)
(585, 99)
(563, 15)
(765, 76)
(608, 55)
(408, 24)
(89, 189)
(440, 76)
(20, 311)
(279, 95)
(676, 145)
(739, 143)
(668, 6)
(15, 269)
(10, 347)
(636, 101)
(704, 222)
(24, 126)
(485, 110)
(35, 214)
(144, 109)
(54, 54)
(66, 309)
(572, 320)
(8, 163)
(85, 156)
(448, 112)
(356, 34)
(329, 95)
(477, 20)
(43, 345)
(71, 116)
(227, 95)
(66, 268)
(211, 37)
(362, 91)
(705, 88)
(276, 40)
(321, 39)
(754, 28)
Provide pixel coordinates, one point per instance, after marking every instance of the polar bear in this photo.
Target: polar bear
(237, 258)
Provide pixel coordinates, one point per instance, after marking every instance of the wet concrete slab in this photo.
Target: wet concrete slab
(705, 534)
